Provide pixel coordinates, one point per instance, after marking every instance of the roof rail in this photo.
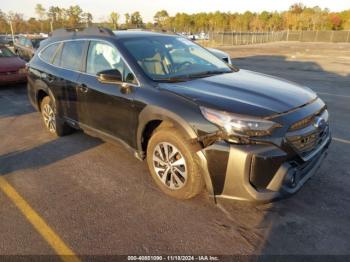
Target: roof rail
(154, 30)
(82, 31)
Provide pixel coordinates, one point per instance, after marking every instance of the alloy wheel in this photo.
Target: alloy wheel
(49, 118)
(170, 165)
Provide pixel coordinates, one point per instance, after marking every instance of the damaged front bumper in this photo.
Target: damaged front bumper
(256, 172)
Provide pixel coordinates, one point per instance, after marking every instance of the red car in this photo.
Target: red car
(12, 68)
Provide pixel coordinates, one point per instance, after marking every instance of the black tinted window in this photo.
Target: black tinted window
(36, 42)
(72, 54)
(48, 53)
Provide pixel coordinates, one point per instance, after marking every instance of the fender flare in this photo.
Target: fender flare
(41, 86)
(150, 113)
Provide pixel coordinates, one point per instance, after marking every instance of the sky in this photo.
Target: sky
(100, 9)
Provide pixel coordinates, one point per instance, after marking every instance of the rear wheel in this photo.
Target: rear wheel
(52, 122)
(173, 164)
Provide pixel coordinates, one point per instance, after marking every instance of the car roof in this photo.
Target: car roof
(102, 32)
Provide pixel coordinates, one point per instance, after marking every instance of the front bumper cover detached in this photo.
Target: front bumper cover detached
(257, 173)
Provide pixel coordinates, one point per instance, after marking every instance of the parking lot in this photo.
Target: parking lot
(80, 194)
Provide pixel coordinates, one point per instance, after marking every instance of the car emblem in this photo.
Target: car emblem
(320, 123)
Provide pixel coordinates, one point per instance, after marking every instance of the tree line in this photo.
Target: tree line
(297, 17)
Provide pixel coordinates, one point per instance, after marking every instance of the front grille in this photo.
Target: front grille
(305, 143)
(306, 139)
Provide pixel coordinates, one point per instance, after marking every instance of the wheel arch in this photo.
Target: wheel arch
(42, 90)
(152, 117)
(39, 97)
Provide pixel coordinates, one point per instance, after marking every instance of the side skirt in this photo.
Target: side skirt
(104, 136)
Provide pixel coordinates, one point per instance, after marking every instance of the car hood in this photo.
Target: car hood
(11, 63)
(244, 92)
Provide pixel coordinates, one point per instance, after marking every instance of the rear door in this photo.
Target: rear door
(108, 107)
(71, 63)
(50, 74)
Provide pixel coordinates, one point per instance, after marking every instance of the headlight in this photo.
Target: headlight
(237, 125)
(22, 71)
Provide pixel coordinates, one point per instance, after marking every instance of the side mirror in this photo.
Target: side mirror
(112, 76)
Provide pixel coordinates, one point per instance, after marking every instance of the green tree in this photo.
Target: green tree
(74, 16)
(160, 18)
(41, 12)
(114, 17)
(19, 25)
(136, 20)
(127, 19)
(86, 18)
(4, 25)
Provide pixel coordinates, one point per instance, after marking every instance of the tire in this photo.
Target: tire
(53, 123)
(181, 181)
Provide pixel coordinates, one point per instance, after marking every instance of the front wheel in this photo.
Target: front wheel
(53, 124)
(173, 164)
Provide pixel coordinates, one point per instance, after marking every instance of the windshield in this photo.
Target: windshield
(5, 52)
(168, 58)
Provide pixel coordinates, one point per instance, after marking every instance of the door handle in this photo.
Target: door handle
(83, 88)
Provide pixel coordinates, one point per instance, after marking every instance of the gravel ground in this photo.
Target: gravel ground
(100, 200)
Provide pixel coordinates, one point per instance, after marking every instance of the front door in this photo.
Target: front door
(107, 107)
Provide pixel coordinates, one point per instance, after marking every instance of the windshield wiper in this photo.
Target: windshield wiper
(207, 73)
(172, 79)
(187, 77)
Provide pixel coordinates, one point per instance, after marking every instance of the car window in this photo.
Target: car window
(57, 59)
(48, 53)
(102, 56)
(165, 57)
(72, 54)
(5, 52)
(36, 42)
(22, 40)
(28, 43)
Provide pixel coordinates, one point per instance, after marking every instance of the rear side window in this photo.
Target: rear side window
(72, 54)
(48, 53)
(57, 57)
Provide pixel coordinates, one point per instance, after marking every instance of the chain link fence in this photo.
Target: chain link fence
(246, 38)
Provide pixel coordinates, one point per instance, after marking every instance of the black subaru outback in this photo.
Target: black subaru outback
(198, 121)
